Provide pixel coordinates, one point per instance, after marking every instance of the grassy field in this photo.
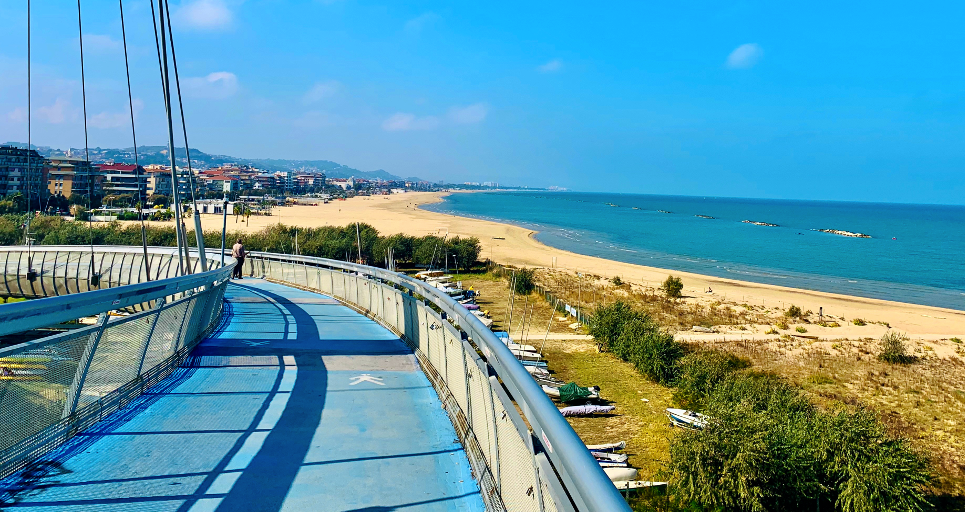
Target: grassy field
(923, 401)
(639, 416)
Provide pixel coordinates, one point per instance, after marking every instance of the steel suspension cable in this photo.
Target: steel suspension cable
(198, 233)
(137, 165)
(159, 41)
(95, 278)
(26, 231)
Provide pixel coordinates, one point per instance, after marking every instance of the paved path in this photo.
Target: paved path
(297, 403)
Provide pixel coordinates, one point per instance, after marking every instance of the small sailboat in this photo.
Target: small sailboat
(616, 446)
(687, 419)
(621, 473)
(610, 456)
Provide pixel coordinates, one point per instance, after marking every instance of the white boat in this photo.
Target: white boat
(687, 419)
(427, 274)
(613, 464)
(538, 372)
(621, 473)
(526, 355)
(610, 456)
(618, 446)
(636, 485)
(487, 322)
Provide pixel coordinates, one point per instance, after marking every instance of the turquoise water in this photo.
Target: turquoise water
(916, 253)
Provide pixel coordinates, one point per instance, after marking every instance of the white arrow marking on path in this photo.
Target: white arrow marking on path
(366, 377)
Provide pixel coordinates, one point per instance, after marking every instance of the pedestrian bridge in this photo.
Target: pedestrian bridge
(309, 385)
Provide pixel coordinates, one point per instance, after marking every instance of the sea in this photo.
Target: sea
(915, 253)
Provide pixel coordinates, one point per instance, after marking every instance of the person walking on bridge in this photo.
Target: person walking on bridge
(238, 253)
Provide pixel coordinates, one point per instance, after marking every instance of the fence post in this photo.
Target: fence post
(80, 375)
(494, 465)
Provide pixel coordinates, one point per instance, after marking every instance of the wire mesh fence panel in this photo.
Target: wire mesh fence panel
(517, 478)
(338, 284)
(455, 367)
(312, 277)
(363, 292)
(549, 504)
(437, 350)
(325, 281)
(116, 359)
(164, 338)
(480, 413)
(191, 306)
(34, 384)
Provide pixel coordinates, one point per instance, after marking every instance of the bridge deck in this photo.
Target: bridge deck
(296, 403)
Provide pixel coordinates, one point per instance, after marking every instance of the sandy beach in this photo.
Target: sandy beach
(507, 244)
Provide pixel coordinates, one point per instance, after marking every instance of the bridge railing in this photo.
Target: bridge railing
(523, 453)
(53, 387)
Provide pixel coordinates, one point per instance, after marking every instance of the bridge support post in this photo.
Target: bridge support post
(77, 384)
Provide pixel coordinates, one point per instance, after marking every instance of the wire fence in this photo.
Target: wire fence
(57, 386)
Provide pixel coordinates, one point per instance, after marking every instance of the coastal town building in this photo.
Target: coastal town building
(71, 175)
(158, 181)
(124, 179)
(22, 171)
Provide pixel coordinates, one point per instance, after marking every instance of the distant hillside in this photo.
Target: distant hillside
(200, 160)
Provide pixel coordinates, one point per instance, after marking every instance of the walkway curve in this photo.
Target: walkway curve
(296, 403)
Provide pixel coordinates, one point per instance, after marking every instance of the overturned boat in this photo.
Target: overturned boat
(687, 419)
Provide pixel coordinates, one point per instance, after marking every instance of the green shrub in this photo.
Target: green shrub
(956, 340)
(801, 329)
(892, 348)
(772, 331)
(672, 287)
(793, 312)
(634, 337)
(608, 321)
(617, 281)
(858, 322)
(651, 350)
(782, 324)
(524, 282)
(698, 374)
(768, 448)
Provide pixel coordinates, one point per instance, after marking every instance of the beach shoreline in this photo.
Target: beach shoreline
(514, 245)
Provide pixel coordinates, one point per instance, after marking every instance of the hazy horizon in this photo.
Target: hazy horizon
(819, 102)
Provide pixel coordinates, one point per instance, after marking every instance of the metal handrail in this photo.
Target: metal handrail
(39, 313)
(583, 477)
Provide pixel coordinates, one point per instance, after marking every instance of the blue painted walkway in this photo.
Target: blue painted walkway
(298, 403)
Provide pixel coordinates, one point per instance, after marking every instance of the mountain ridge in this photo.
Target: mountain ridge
(201, 160)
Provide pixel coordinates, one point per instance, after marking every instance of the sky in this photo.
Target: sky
(804, 100)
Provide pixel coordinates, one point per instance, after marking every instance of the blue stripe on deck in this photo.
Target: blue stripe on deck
(264, 417)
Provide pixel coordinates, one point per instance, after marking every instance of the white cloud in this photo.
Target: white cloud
(322, 90)
(18, 115)
(101, 43)
(402, 121)
(205, 14)
(744, 56)
(217, 86)
(415, 25)
(58, 112)
(551, 66)
(469, 114)
(115, 119)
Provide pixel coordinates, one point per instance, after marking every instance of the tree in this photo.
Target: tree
(672, 287)
(159, 200)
